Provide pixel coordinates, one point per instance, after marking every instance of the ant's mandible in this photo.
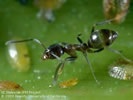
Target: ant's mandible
(99, 40)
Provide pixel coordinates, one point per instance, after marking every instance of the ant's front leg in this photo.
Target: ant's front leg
(60, 67)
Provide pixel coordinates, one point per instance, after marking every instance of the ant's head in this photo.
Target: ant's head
(53, 51)
(47, 54)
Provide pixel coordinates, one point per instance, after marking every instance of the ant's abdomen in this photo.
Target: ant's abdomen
(96, 40)
(102, 38)
(108, 36)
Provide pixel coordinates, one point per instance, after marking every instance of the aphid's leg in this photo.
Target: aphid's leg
(91, 68)
(60, 67)
(27, 40)
(119, 53)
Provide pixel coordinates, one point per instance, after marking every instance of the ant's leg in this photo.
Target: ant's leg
(101, 23)
(119, 53)
(72, 58)
(91, 68)
(58, 58)
(27, 40)
(60, 67)
(57, 69)
(56, 73)
(78, 38)
(95, 51)
(98, 50)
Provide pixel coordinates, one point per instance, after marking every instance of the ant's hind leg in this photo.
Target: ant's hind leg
(60, 67)
(101, 23)
(27, 40)
(91, 68)
(119, 53)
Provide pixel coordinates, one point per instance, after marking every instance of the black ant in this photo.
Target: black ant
(99, 40)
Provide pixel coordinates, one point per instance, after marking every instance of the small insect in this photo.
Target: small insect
(68, 83)
(122, 70)
(18, 56)
(47, 8)
(99, 40)
(116, 9)
(7, 85)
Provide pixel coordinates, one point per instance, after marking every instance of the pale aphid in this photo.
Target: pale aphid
(47, 8)
(69, 83)
(116, 9)
(18, 56)
(121, 69)
(8, 85)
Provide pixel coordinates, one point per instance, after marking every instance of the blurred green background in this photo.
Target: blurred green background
(74, 17)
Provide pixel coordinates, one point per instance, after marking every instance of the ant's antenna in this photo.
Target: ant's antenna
(27, 40)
